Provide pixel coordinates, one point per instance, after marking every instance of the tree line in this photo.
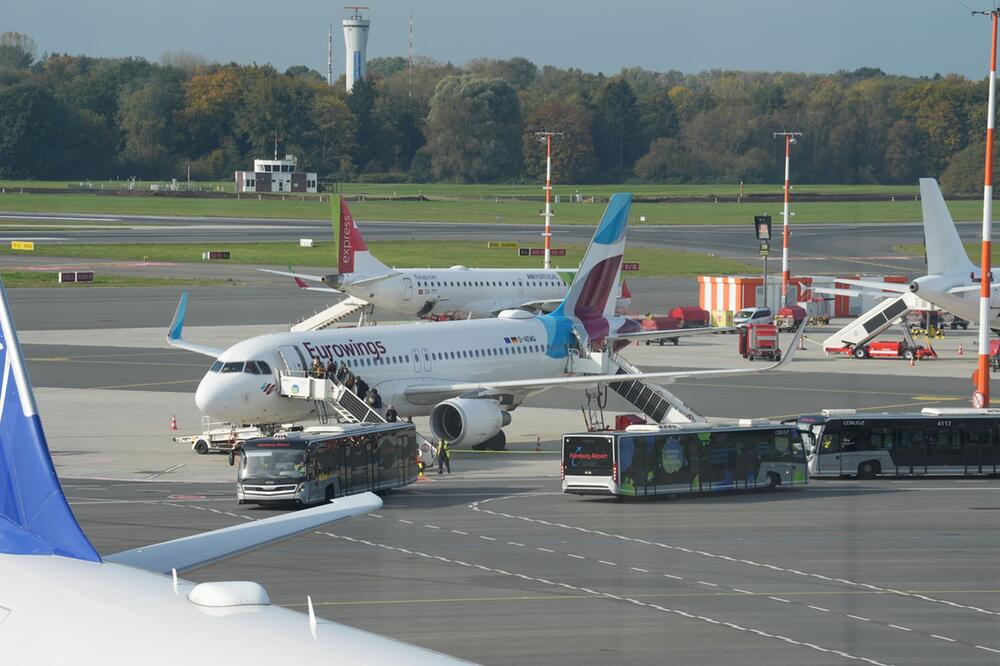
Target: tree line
(75, 117)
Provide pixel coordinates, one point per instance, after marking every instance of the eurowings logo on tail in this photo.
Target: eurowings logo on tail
(35, 518)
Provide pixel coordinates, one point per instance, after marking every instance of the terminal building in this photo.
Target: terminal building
(277, 175)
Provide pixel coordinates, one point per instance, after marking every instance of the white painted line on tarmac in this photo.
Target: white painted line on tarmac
(784, 601)
(820, 609)
(576, 557)
(944, 638)
(858, 617)
(703, 582)
(896, 626)
(988, 649)
(610, 564)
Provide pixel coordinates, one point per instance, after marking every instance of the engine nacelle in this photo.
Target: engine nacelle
(465, 421)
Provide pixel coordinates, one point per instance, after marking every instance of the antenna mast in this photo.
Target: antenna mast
(329, 56)
(789, 140)
(409, 67)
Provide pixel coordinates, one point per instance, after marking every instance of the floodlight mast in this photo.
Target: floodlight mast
(981, 398)
(789, 140)
(548, 194)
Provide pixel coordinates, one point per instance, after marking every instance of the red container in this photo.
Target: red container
(623, 421)
(690, 316)
(660, 324)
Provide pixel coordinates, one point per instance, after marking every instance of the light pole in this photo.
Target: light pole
(789, 140)
(981, 398)
(548, 193)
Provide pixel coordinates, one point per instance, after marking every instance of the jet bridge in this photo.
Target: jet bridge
(871, 324)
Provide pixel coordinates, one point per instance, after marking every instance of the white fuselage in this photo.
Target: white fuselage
(59, 610)
(389, 358)
(965, 304)
(479, 292)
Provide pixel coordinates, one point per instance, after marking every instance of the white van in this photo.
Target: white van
(752, 316)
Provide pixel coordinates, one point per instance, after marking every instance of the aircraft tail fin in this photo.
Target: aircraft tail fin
(942, 243)
(35, 518)
(591, 295)
(352, 251)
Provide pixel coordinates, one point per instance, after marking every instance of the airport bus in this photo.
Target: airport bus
(645, 460)
(309, 467)
(843, 442)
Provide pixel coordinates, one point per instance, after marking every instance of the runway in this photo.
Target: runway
(497, 567)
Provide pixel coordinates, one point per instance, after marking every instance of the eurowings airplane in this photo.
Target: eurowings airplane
(63, 603)
(952, 281)
(468, 375)
(419, 292)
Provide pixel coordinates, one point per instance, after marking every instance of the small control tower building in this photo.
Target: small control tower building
(276, 175)
(356, 44)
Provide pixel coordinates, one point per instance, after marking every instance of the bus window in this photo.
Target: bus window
(830, 444)
(588, 456)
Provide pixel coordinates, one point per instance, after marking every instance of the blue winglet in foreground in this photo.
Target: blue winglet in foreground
(35, 518)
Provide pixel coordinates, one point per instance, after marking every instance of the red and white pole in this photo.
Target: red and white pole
(548, 198)
(983, 373)
(784, 237)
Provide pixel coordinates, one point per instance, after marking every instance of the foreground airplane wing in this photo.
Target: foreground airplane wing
(671, 333)
(877, 286)
(174, 333)
(428, 393)
(200, 549)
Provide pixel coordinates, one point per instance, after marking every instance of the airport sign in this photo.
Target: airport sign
(540, 252)
(493, 245)
(22, 245)
(630, 266)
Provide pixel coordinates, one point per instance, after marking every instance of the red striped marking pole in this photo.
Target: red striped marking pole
(548, 198)
(983, 372)
(789, 140)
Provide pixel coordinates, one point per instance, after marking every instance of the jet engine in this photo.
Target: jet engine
(465, 421)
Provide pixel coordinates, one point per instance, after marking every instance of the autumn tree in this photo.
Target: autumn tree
(617, 140)
(573, 158)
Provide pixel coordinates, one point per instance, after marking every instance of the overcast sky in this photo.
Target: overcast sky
(915, 37)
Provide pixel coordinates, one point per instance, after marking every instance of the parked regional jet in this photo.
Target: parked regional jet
(419, 292)
(952, 280)
(467, 375)
(62, 603)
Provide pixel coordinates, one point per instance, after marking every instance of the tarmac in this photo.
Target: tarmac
(492, 563)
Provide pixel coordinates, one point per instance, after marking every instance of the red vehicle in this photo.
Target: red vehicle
(994, 355)
(690, 317)
(655, 323)
(759, 341)
(897, 349)
(789, 317)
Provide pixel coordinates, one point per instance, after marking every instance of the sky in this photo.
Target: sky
(915, 37)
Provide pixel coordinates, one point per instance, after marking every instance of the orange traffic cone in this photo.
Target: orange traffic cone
(173, 422)
(538, 444)
(960, 351)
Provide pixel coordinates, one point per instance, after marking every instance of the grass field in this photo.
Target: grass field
(974, 250)
(532, 189)
(411, 254)
(21, 279)
(485, 211)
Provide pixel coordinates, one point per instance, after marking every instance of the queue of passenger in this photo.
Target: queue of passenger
(354, 383)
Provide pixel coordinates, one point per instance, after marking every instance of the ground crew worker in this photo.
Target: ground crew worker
(391, 414)
(444, 456)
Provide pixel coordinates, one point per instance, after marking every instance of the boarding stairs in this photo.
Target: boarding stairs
(656, 402)
(873, 323)
(332, 399)
(335, 313)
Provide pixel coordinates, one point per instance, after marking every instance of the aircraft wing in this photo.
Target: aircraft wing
(433, 393)
(876, 286)
(972, 287)
(853, 293)
(174, 333)
(198, 550)
(670, 333)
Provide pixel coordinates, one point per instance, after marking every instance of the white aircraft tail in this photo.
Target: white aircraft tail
(945, 252)
(353, 256)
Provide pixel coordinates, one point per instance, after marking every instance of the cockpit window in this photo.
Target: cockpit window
(252, 368)
(236, 366)
(216, 366)
(265, 369)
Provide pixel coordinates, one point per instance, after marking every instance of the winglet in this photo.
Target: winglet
(35, 518)
(176, 330)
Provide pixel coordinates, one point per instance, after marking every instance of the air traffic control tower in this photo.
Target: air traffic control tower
(356, 43)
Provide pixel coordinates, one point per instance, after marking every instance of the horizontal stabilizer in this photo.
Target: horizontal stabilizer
(198, 550)
(851, 293)
(670, 333)
(300, 276)
(176, 330)
(871, 285)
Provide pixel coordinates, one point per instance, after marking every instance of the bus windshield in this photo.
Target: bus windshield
(588, 455)
(286, 465)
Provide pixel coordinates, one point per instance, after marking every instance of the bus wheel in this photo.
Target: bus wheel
(868, 469)
(201, 447)
(773, 480)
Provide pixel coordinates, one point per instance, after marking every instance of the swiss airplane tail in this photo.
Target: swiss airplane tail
(591, 296)
(353, 256)
(945, 252)
(35, 518)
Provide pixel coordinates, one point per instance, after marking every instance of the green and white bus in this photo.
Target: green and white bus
(843, 442)
(310, 467)
(645, 460)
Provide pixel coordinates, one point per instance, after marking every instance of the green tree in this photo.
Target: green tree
(35, 133)
(146, 116)
(474, 130)
(573, 158)
(17, 51)
(332, 139)
(616, 129)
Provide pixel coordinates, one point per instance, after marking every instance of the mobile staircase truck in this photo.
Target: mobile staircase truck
(217, 436)
(857, 337)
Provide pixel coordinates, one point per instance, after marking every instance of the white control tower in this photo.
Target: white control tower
(356, 43)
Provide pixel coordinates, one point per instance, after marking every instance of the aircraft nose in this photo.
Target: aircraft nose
(209, 398)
